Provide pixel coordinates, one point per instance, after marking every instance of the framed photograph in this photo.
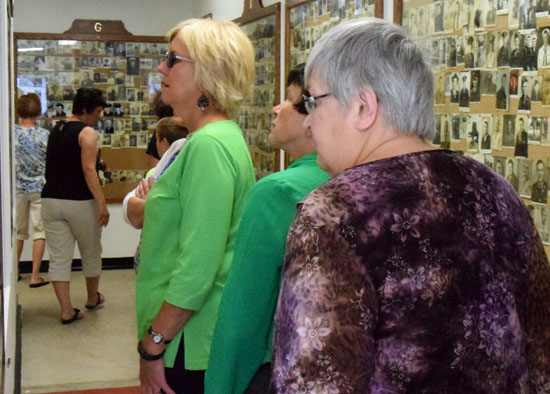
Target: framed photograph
(262, 25)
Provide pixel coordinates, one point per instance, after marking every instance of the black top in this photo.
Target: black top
(64, 176)
(152, 146)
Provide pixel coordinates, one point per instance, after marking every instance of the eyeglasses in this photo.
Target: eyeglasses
(171, 58)
(310, 101)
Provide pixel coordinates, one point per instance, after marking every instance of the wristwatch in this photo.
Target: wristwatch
(148, 356)
(158, 338)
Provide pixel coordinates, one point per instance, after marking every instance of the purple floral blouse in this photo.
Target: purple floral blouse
(421, 273)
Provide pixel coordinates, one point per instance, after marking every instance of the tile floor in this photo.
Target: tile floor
(95, 352)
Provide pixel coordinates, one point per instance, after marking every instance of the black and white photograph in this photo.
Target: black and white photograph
(491, 53)
(490, 16)
(536, 91)
(475, 89)
(502, 6)
(132, 66)
(534, 131)
(455, 88)
(485, 143)
(539, 188)
(499, 165)
(512, 173)
(542, 8)
(513, 84)
(543, 54)
(503, 57)
(521, 145)
(472, 138)
(529, 51)
(524, 103)
(502, 96)
(130, 94)
(497, 133)
(527, 17)
(488, 85)
(525, 179)
(509, 131)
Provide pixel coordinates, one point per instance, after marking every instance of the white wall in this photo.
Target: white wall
(140, 17)
(226, 9)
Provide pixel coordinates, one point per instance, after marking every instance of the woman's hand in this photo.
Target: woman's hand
(144, 187)
(103, 215)
(152, 377)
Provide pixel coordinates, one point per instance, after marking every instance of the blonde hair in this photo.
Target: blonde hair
(224, 60)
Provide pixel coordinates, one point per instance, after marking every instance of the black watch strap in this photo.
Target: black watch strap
(148, 356)
(158, 338)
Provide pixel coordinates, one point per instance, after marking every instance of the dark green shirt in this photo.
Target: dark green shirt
(242, 338)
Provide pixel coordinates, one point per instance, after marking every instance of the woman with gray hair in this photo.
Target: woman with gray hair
(413, 269)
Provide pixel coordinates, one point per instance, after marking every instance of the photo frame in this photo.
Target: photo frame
(262, 25)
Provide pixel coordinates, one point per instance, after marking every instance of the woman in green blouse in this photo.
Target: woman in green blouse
(193, 210)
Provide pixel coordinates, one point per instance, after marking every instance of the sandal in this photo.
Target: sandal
(76, 316)
(39, 284)
(100, 301)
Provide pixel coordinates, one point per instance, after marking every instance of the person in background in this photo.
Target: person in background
(161, 110)
(30, 142)
(73, 205)
(193, 211)
(412, 269)
(170, 138)
(255, 273)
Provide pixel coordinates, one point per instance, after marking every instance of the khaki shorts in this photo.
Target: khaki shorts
(27, 206)
(67, 221)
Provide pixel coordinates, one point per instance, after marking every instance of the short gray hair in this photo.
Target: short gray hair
(379, 55)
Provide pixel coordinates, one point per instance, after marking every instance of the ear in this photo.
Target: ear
(165, 142)
(365, 109)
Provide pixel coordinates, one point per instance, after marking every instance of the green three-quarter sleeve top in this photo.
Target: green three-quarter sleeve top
(191, 218)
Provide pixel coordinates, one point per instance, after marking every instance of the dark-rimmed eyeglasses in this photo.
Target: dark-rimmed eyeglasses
(310, 101)
(171, 59)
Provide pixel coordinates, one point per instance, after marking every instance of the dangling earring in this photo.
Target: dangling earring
(203, 102)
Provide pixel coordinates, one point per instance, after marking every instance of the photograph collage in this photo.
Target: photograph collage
(254, 116)
(491, 65)
(309, 21)
(124, 71)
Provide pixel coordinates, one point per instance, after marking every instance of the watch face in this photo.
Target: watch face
(157, 338)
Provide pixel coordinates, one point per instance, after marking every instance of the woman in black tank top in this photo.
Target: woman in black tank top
(74, 208)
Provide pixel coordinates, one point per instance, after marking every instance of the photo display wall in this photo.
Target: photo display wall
(491, 65)
(125, 71)
(308, 21)
(262, 27)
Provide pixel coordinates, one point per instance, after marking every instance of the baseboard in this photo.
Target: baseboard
(109, 263)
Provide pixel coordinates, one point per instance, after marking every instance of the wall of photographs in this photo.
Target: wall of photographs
(491, 62)
(309, 20)
(126, 73)
(254, 116)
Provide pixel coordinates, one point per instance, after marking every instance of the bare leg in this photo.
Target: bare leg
(92, 286)
(63, 293)
(38, 246)
(19, 251)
